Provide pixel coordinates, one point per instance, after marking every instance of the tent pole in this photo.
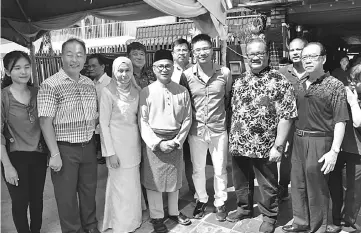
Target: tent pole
(33, 63)
(224, 52)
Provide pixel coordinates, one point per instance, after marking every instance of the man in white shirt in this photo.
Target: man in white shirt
(96, 68)
(181, 53)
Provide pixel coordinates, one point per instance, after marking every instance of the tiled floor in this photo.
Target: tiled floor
(186, 203)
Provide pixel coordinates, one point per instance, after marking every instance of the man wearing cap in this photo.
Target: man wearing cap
(164, 119)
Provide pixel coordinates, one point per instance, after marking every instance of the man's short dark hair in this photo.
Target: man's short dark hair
(71, 40)
(257, 40)
(322, 48)
(99, 57)
(181, 41)
(201, 37)
(135, 46)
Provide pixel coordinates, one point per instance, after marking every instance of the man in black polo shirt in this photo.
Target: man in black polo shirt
(294, 73)
(320, 127)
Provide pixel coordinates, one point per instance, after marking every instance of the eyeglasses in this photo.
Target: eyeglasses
(181, 51)
(312, 57)
(31, 116)
(205, 49)
(162, 67)
(259, 55)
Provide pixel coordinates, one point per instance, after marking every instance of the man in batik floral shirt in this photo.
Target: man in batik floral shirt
(263, 106)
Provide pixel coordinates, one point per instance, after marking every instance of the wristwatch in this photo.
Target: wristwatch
(280, 148)
(335, 150)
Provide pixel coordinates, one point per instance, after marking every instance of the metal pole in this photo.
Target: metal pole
(33, 63)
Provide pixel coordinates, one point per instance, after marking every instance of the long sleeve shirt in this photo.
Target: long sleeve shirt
(164, 108)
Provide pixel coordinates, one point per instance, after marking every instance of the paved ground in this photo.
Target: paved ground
(186, 203)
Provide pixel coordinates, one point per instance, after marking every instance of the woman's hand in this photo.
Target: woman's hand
(113, 161)
(11, 175)
(351, 96)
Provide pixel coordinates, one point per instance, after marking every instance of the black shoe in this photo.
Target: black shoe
(221, 213)
(181, 219)
(349, 224)
(267, 227)
(101, 160)
(93, 230)
(291, 228)
(333, 228)
(159, 226)
(199, 210)
(236, 215)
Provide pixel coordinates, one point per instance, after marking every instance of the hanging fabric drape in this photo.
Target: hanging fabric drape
(209, 15)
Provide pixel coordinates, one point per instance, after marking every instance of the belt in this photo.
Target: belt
(303, 133)
(82, 144)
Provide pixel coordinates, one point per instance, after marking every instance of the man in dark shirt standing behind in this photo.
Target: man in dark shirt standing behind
(342, 73)
(294, 73)
(322, 109)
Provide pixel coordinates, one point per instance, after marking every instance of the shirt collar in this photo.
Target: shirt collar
(66, 77)
(101, 79)
(291, 70)
(176, 66)
(196, 66)
(262, 72)
(319, 79)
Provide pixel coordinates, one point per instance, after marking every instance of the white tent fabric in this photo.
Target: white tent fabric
(208, 15)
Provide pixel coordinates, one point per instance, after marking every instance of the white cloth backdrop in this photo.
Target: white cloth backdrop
(209, 16)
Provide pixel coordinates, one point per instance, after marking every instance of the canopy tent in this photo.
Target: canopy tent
(24, 21)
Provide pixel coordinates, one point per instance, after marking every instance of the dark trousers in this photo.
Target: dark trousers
(77, 179)
(244, 170)
(310, 193)
(352, 164)
(31, 168)
(188, 167)
(285, 165)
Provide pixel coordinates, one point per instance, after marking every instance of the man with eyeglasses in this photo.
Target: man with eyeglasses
(294, 73)
(209, 86)
(165, 118)
(320, 128)
(263, 106)
(137, 54)
(181, 53)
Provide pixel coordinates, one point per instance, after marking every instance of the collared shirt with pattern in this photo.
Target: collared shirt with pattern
(178, 71)
(72, 104)
(259, 102)
(208, 96)
(146, 77)
(322, 105)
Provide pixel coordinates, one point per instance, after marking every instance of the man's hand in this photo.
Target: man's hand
(166, 146)
(330, 159)
(274, 155)
(56, 163)
(11, 175)
(113, 161)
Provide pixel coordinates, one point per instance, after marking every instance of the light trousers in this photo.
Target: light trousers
(218, 148)
(155, 202)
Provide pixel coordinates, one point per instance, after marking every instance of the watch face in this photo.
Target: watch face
(280, 148)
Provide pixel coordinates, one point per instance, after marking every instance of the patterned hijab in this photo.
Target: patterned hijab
(129, 93)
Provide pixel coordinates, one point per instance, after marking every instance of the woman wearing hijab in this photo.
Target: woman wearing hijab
(121, 146)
